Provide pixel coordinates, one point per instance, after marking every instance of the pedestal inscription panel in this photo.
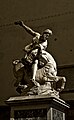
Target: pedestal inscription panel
(35, 114)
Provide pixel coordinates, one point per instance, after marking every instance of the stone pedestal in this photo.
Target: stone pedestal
(37, 108)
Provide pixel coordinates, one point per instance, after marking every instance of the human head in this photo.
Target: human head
(47, 33)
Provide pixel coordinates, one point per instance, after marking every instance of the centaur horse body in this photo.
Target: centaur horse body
(46, 75)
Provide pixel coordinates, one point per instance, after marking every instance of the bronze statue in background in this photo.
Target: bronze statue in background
(36, 72)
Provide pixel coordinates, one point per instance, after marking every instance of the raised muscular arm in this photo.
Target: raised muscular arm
(28, 29)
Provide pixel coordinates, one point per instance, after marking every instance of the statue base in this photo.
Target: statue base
(37, 107)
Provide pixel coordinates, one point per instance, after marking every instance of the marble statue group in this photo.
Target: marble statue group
(36, 72)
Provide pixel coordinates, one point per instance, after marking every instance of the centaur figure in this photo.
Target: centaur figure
(36, 72)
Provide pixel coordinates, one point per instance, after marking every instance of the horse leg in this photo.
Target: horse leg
(60, 83)
(18, 82)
